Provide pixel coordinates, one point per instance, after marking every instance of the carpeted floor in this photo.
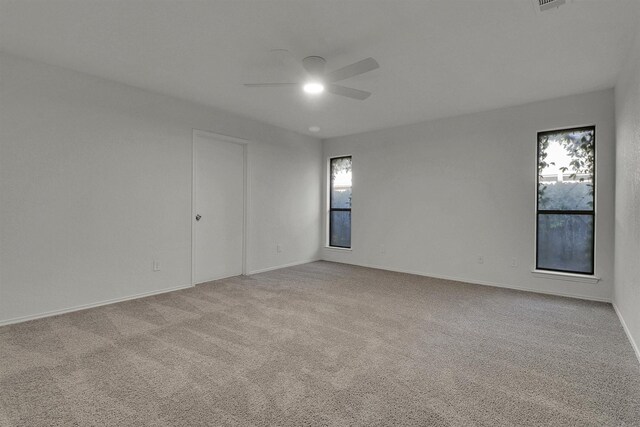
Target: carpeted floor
(324, 344)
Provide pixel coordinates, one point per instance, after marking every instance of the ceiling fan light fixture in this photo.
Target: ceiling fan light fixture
(319, 81)
(313, 88)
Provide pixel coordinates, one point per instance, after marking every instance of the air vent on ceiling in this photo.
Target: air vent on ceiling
(543, 5)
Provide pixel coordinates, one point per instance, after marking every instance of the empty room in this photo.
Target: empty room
(319, 213)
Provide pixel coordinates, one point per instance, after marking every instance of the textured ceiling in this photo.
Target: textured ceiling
(437, 58)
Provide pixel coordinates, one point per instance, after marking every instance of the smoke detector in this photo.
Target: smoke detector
(545, 5)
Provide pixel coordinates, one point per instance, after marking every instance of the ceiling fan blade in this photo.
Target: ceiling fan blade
(270, 84)
(349, 92)
(354, 69)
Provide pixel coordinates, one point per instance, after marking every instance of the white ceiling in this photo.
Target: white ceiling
(437, 58)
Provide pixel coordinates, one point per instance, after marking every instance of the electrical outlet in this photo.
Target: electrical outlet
(513, 263)
(382, 250)
(480, 259)
(279, 248)
(156, 265)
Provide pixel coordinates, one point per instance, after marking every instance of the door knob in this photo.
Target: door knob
(198, 217)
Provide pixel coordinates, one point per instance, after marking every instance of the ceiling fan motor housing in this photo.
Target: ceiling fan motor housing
(315, 65)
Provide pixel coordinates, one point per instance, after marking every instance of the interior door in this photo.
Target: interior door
(218, 208)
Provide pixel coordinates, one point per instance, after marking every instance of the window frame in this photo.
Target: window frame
(330, 201)
(591, 212)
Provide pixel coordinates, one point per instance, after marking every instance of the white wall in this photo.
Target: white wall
(430, 198)
(95, 182)
(627, 263)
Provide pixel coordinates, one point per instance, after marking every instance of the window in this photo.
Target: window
(340, 202)
(566, 199)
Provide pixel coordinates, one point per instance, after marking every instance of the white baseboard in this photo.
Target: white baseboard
(278, 267)
(129, 297)
(636, 349)
(91, 305)
(481, 282)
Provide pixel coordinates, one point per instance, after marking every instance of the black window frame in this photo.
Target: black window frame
(591, 212)
(331, 208)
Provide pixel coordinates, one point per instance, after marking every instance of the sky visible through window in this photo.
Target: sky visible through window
(342, 179)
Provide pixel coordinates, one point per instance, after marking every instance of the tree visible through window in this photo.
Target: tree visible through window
(340, 202)
(566, 196)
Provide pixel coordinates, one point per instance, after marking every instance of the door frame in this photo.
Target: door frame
(245, 217)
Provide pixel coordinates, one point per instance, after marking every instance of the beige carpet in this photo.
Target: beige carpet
(324, 344)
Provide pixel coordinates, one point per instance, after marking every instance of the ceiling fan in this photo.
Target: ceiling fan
(318, 80)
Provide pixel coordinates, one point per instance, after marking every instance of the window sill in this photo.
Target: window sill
(572, 277)
(336, 248)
